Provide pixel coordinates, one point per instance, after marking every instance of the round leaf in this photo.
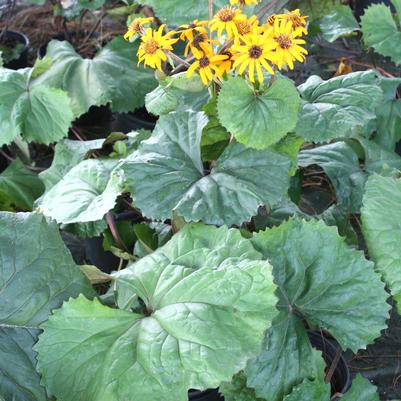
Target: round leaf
(258, 119)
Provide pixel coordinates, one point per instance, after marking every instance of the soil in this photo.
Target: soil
(41, 26)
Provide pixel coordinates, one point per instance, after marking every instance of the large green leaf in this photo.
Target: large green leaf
(206, 307)
(361, 390)
(67, 154)
(381, 219)
(380, 31)
(338, 107)
(19, 187)
(258, 118)
(85, 194)
(167, 174)
(330, 286)
(177, 12)
(340, 162)
(37, 274)
(112, 76)
(338, 23)
(39, 113)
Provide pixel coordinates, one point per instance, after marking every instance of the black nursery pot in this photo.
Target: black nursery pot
(341, 379)
(208, 395)
(10, 38)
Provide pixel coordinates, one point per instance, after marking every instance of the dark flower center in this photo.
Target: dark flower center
(284, 41)
(204, 62)
(255, 51)
(226, 14)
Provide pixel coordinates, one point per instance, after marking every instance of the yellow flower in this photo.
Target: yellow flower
(225, 19)
(226, 65)
(245, 26)
(244, 2)
(187, 31)
(135, 27)
(287, 48)
(207, 63)
(152, 50)
(298, 20)
(255, 53)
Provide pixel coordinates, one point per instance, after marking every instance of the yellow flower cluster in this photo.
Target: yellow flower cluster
(230, 41)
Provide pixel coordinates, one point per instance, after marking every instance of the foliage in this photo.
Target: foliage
(380, 30)
(381, 228)
(258, 119)
(174, 151)
(93, 82)
(338, 107)
(338, 23)
(194, 336)
(43, 275)
(38, 113)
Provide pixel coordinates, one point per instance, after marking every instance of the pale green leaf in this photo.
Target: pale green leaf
(112, 76)
(166, 175)
(85, 194)
(361, 390)
(19, 187)
(338, 107)
(67, 154)
(258, 119)
(380, 31)
(205, 315)
(381, 219)
(338, 23)
(41, 113)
